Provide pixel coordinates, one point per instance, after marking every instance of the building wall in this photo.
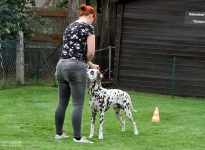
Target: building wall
(150, 34)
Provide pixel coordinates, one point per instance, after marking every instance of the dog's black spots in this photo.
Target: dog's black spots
(128, 105)
(101, 105)
(107, 108)
(101, 119)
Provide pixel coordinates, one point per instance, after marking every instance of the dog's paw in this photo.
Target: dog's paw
(90, 136)
(100, 137)
(123, 129)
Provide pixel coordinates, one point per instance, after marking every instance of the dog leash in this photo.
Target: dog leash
(104, 71)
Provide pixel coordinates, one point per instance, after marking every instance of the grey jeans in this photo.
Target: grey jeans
(72, 80)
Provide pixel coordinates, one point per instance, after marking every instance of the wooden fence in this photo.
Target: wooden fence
(58, 21)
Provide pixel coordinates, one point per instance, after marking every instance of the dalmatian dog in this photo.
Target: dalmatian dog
(102, 99)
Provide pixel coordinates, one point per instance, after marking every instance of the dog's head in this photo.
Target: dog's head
(94, 75)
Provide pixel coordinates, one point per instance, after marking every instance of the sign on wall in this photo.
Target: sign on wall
(194, 18)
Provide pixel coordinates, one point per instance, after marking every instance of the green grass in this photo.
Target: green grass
(27, 117)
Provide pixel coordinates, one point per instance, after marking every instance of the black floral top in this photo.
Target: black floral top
(75, 41)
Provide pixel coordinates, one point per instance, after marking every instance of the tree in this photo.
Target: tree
(56, 3)
(14, 18)
(73, 10)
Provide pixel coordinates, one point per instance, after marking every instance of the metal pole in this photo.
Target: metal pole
(110, 53)
(48, 57)
(48, 68)
(173, 76)
(38, 64)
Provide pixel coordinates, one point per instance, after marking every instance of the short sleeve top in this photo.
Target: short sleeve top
(75, 41)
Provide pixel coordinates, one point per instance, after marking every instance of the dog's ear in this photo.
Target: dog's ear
(99, 77)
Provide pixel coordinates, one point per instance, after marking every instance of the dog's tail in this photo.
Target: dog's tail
(131, 104)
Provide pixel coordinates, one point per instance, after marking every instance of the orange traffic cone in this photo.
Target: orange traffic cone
(155, 117)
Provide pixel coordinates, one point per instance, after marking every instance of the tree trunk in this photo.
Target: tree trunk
(82, 2)
(73, 10)
(93, 3)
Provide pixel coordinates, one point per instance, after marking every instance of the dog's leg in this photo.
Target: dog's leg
(92, 127)
(129, 115)
(135, 127)
(100, 136)
(118, 115)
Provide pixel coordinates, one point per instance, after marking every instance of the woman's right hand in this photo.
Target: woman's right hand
(93, 66)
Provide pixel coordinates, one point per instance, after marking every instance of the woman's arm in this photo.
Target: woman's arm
(93, 66)
(91, 51)
(90, 47)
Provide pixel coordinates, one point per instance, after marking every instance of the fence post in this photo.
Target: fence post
(1, 58)
(110, 53)
(173, 76)
(20, 60)
(38, 64)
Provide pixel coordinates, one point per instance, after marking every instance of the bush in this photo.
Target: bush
(14, 18)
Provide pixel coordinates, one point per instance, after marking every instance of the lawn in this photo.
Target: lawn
(27, 123)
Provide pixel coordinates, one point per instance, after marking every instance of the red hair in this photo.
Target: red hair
(85, 10)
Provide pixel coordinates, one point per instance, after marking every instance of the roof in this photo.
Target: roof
(120, 1)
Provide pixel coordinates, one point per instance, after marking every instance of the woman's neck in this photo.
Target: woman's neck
(83, 19)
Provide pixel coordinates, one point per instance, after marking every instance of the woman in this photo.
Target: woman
(71, 71)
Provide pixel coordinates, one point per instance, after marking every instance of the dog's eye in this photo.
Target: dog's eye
(92, 72)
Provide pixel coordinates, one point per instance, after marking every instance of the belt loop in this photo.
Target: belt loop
(77, 61)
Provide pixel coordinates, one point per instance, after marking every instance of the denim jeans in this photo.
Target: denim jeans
(72, 81)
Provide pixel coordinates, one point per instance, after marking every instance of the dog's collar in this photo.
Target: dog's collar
(91, 82)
